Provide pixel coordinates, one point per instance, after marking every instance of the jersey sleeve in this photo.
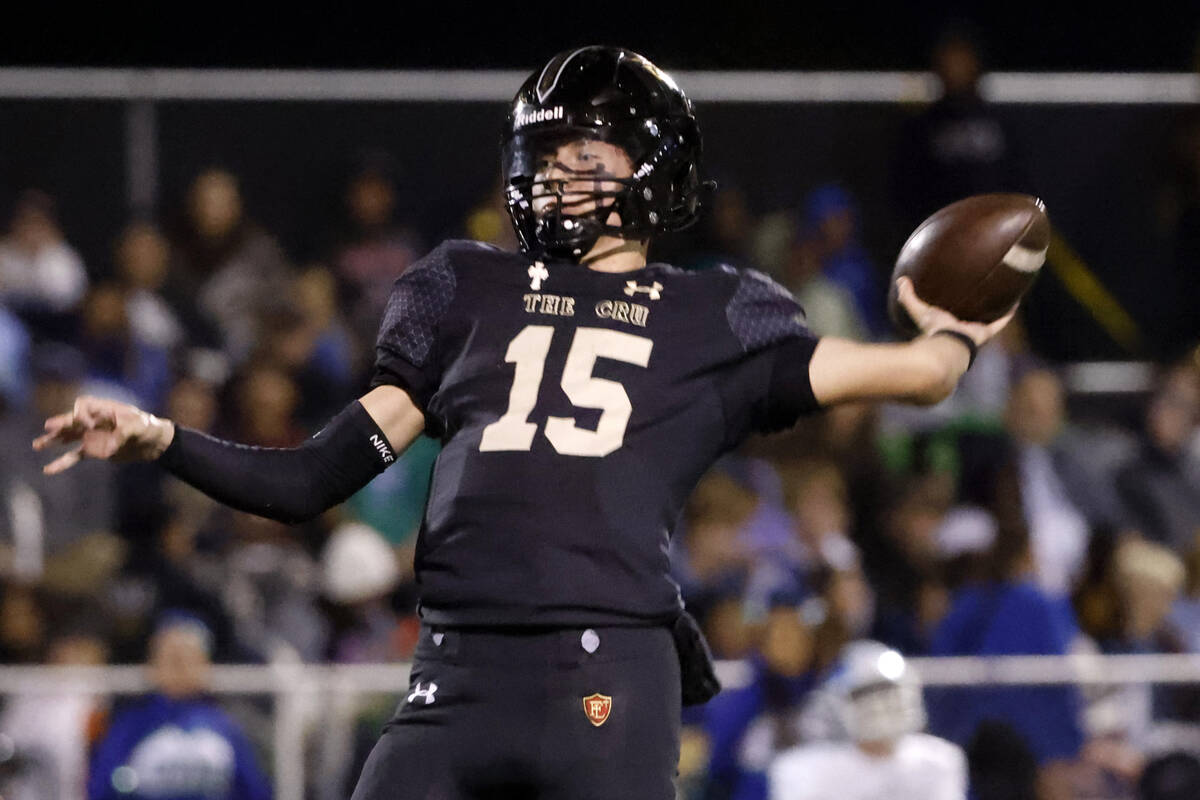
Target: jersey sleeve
(406, 351)
(954, 780)
(768, 389)
(791, 776)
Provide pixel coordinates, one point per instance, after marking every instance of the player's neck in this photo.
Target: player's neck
(612, 254)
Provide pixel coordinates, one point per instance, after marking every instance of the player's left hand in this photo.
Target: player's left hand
(931, 318)
(104, 429)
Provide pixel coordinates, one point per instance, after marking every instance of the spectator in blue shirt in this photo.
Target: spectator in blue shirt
(14, 361)
(176, 744)
(747, 726)
(1006, 613)
(830, 224)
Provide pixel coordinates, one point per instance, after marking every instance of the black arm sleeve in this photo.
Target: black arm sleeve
(285, 484)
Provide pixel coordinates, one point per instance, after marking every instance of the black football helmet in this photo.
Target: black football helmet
(617, 96)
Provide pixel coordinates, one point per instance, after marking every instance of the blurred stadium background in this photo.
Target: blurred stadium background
(208, 227)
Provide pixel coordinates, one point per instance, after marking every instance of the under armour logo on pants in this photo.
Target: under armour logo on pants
(426, 694)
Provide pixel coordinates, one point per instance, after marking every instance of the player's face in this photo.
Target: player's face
(577, 169)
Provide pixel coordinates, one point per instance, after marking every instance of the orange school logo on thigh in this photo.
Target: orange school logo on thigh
(597, 707)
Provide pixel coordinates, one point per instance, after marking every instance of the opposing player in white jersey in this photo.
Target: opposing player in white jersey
(883, 754)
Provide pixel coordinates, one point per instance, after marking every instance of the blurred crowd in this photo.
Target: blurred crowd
(1015, 518)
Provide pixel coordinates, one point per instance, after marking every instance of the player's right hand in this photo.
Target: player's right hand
(930, 318)
(104, 429)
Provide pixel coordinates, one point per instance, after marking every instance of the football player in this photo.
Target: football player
(580, 393)
(877, 749)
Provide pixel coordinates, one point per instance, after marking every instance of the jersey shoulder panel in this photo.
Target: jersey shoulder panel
(663, 268)
(419, 299)
(803, 772)
(803, 757)
(931, 750)
(469, 247)
(761, 312)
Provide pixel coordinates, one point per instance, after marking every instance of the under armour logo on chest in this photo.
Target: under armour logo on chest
(654, 289)
(537, 274)
(425, 694)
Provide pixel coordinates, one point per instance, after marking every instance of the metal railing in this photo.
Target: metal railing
(294, 687)
(498, 86)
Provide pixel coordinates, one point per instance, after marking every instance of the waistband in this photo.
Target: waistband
(563, 646)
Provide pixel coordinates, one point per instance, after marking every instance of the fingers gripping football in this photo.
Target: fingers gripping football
(930, 318)
(103, 429)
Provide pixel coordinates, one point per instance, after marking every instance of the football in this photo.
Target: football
(975, 258)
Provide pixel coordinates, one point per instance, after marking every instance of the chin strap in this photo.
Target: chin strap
(573, 237)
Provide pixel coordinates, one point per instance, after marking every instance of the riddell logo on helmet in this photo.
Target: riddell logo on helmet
(541, 115)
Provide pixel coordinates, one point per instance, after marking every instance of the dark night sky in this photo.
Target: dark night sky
(515, 34)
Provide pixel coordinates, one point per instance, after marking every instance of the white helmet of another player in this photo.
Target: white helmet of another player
(879, 693)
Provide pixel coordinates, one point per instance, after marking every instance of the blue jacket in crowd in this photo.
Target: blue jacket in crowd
(1008, 619)
(165, 749)
(746, 727)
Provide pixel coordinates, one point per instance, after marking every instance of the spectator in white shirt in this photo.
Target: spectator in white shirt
(39, 271)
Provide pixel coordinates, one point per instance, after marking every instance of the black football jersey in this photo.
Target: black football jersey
(577, 410)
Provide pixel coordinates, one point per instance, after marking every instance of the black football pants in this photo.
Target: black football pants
(500, 714)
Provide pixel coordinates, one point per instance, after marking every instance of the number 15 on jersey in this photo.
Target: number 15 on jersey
(528, 350)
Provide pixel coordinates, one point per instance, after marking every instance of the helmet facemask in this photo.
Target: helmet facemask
(557, 213)
(880, 693)
(885, 711)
